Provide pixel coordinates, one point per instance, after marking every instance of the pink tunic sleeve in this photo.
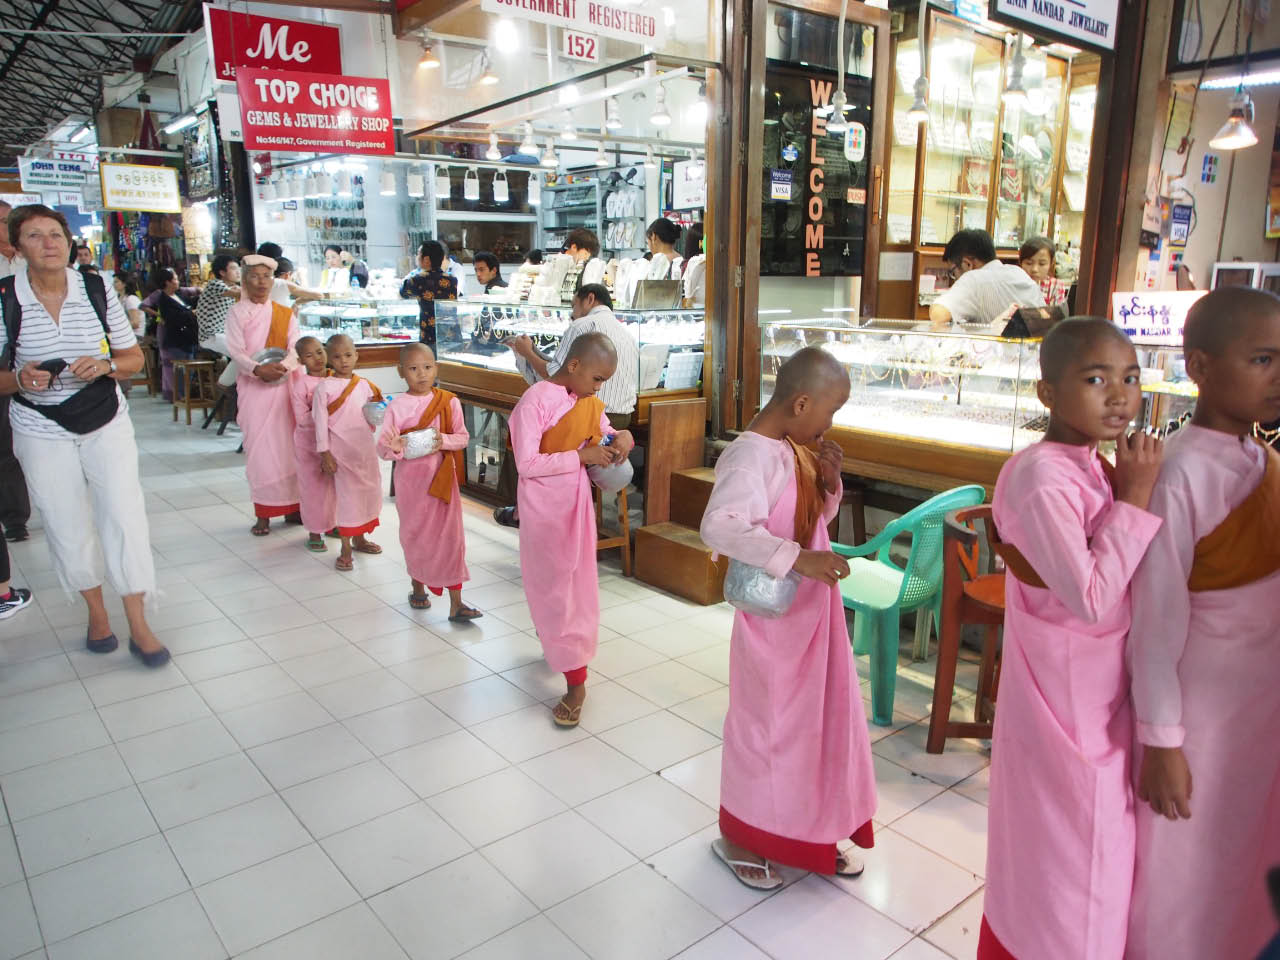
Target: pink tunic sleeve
(298, 396)
(320, 414)
(529, 420)
(1089, 578)
(739, 507)
(458, 439)
(1161, 621)
(237, 347)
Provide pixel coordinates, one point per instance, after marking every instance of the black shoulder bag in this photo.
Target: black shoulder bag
(89, 408)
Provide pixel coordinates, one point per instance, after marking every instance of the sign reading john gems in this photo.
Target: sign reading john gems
(39, 173)
(1088, 22)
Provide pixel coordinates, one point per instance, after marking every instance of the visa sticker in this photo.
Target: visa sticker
(104, 348)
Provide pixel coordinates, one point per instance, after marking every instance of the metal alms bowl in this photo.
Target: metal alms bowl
(421, 443)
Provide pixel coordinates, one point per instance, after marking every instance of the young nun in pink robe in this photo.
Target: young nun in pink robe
(345, 443)
(318, 498)
(262, 400)
(556, 429)
(427, 496)
(1204, 653)
(797, 776)
(1061, 828)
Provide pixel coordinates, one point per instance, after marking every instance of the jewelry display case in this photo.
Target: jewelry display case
(368, 320)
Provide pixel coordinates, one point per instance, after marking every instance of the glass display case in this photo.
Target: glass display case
(900, 208)
(365, 319)
(1068, 218)
(472, 331)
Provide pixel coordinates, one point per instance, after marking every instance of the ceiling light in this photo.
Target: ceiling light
(324, 185)
(257, 168)
(487, 77)
(180, 122)
(549, 157)
(1263, 78)
(528, 148)
(649, 162)
(570, 132)
(1015, 92)
(298, 187)
(602, 158)
(269, 191)
(416, 184)
(444, 184)
(836, 123)
(81, 134)
(493, 153)
(505, 36)
(535, 189)
(428, 60)
(388, 183)
(612, 114)
(344, 183)
(568, 93)
(660, 117)
(919, 111)
(1236, 133)
(698, 109)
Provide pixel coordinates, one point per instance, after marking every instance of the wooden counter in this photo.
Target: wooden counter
(927, 464)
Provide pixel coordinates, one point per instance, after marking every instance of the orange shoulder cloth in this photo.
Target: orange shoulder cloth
(341, 398)
(452, 463)
(278, 332)
(1245, 547)
(580, 425)
(810, 493)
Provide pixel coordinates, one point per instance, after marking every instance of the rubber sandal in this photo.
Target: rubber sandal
(370, 548)
(574, 714)
(848, 865)
(294, 519)
(465, 615)
(259, 531)
(317, 546)
(771, 881)
(506, 517)
(420, 602)
(333, 533)
(344, 564)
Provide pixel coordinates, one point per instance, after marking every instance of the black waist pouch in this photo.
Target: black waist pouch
(89, 408)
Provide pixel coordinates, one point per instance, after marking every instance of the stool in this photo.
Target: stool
(226, 407)
(146, 376)
(199, 388)
(967, 597)
(605, 539)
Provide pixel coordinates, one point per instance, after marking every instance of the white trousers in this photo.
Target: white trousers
(87, 491)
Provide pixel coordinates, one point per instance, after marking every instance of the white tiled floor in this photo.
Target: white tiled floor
(323, 773)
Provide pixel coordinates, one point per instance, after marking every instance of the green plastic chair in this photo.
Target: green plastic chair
(878, 591)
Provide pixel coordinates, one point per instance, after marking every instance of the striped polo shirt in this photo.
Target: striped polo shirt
(78, 333)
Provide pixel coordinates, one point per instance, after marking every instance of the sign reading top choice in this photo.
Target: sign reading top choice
(246, 40)
(307, 112)
(620, 19)
(1088, 22)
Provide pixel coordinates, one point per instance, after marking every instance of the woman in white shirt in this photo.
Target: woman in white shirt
(126, 288)
(334, 278)
(72, 432)
(661, 236)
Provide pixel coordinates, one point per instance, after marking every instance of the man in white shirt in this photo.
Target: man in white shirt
(982, 288)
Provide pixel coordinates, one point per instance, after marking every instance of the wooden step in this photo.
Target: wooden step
(674, 558)
(690, 491)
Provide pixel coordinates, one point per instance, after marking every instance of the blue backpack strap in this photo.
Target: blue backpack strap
(12, 311)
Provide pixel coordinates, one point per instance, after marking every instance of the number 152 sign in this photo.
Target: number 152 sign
(579, 46)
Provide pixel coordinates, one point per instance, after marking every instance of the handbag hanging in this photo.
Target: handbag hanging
(471, 185)
(500, 191)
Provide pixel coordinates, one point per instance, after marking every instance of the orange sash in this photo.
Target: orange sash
(341, 398)
(278, 332)
(810, 493)
(580, 425)
(452, 463)
(1245, 547)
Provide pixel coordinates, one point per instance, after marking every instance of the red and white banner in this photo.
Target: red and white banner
(620, 19)
(308, 112)
(246, 40)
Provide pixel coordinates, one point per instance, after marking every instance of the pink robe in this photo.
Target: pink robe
(435, 549)
(1206, 670)
(319, 499)
(557, 531)
(347, 435)
(797, 774)
(1060, 820)
(263, 412)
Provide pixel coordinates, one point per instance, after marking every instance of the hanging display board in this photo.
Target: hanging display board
(314, 112)
(1089, 23)
(621, 21)
(42, 173)
(246, 40)
(146, 189)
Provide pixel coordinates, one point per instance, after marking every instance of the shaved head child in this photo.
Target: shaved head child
(345, 445)
(1204, 652)
(315, 487)
(427, 496)
(796, 782)
(1060, 819)
(556, 432)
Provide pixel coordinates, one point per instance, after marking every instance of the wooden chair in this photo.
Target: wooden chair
(150, 372)
(607, 539)
(854, 498)
(968, 596)
(199, 389)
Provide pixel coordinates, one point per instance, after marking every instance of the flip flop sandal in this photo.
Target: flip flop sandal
(317, 546)
(370, 548)
(344, 564)
(333, 533)
(571, 716)
(849, 866)
(770, 881)
(465, 615)
(293, 519)
(422, 602)
(259, 531)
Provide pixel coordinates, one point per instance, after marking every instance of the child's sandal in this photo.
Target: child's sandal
(570, 715)
(344, 564)
(465, 614)
(770, 880)
(420, 601)
(317, 546)
(367, 547)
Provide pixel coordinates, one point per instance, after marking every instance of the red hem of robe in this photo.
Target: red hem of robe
(266, 512)
(358, 531)
(576, 677)
(801, 854)
(439, 591)
(989, 945)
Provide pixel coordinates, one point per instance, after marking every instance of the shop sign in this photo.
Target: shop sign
(247, 40)
(855, 142)
(40, 172)
(619, 20)
(779, 184)
(814, 228)
(314, 112)
(134, 186)
(91, 194)
(229, 121)
(1090, 23)
(579, 46)
(688, 185)
(69, 198)
(1179, 225)
(21, 199)
(1153, 316)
